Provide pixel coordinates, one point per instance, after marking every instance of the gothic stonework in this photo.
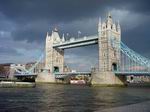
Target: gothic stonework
(109, 54)
(109, 38)
(109, 41)
(54, 59)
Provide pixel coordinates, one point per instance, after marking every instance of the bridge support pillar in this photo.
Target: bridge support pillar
(12, 71)
(45, 78)
(107, 79)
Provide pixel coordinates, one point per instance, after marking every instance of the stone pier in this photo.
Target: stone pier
(107, 79)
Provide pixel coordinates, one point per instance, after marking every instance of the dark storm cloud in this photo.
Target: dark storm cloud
(138, 38)
(66, 10)
(54, 12)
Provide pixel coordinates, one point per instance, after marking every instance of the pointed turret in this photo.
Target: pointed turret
(47, 36)
(118, 28)
(99, 26)
(63, 38)
(55, 36)
(109, 15)
(109, 21)
(114, 27)
(55, 30)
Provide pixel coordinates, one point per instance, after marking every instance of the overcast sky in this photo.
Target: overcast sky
(24, 23)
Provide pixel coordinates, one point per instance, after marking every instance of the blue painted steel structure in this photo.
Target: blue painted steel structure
(131, 63)
(128, 73)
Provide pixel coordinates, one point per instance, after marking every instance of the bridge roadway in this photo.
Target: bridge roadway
(90, 40)
(57, 75)
(127, 73)
(63, 75)
(25, 75)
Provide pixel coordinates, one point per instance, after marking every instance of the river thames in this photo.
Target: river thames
(69, 98)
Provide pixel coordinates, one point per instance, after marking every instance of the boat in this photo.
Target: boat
(77, 82)
(11, 84)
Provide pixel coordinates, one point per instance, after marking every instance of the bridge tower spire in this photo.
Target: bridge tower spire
(99, 26)
(118, 28)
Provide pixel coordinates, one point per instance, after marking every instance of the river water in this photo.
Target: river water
(69, 98)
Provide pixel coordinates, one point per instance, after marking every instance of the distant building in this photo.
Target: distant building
(39, 68)
(67, 69)
(5, 69)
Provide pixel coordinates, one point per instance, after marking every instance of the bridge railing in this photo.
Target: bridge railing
(132, 62)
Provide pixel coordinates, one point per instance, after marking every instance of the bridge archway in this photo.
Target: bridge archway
(56, 69)
(114, 67)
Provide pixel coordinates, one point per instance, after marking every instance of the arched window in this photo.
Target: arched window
(56, 69)
(114, 67)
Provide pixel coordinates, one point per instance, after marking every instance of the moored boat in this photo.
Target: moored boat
(77, 82)
(10, 84)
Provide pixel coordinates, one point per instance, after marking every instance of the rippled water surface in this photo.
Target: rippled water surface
(69, 98)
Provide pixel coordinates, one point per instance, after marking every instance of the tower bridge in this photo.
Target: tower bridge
(116, 60)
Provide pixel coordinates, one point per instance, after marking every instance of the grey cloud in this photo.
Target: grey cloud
(138, 38)
(8, 51)
(56, 13)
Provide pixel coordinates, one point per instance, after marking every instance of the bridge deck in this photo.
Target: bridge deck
(24, 75)
(77, 42)
(73, 73)
(63, 75)
(127, 73)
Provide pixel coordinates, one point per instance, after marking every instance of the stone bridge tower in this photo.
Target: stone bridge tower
(109, 53)
(54, 58)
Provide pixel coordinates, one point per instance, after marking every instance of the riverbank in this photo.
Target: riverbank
(139, 107)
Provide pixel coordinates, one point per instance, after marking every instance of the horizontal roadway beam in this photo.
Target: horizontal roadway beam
(23, 75)
(133, 73)
(63, 75)
(77, 43)
(73, 73)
